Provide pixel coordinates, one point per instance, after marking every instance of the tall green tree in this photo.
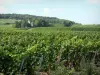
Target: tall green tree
(43, 23)
(68, 23)
(17, 24)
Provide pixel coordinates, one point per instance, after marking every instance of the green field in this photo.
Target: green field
(56, 50)
(7, 23)
(2, 21)
(6, 26)
(59, 50)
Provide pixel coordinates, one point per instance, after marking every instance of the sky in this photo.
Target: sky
(81, 11)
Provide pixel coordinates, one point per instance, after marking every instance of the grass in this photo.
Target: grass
(58, 25)
(3, 21)
(6, 26)
(7, 23)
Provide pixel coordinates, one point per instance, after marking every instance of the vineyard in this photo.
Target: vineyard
(36, 50)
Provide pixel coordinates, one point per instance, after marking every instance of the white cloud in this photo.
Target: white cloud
(46, 11)
(94, 1)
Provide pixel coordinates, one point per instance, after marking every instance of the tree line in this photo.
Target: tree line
(29, 23)
(35, 21)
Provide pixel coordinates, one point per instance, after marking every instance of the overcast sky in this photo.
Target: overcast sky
(82, 11)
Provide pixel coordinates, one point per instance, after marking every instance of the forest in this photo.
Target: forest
(29, 21)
